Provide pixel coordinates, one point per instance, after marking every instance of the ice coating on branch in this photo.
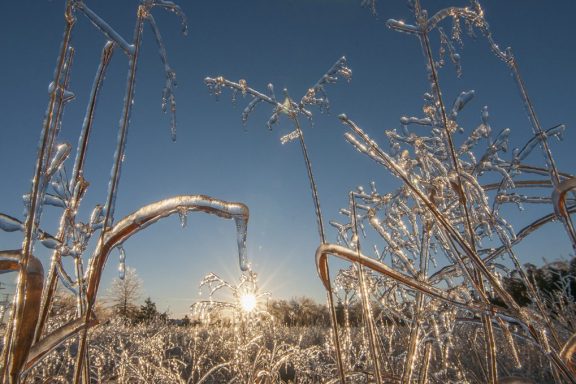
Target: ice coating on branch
(290, 137)
(401, 26)
(369, 4)
(444, 207)
(151, 213)
(64, 95)
(315, 95)
(429, 195)
(446, 45)
(556, 131)
(171, 7)
(72, 236)
(168, 91)
(124, 123)
(106, 29)
(405, 120)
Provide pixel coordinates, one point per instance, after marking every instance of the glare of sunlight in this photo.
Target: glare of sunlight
(248, 302)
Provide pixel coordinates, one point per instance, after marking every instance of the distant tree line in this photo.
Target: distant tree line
(551, 282)
(123, 296)
(303, 312)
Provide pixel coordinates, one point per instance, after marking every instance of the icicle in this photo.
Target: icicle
(460, 102)
(241, 230)
(485, 115)
(249, 108)
(121, 262)
(183, 214)
(272, 120)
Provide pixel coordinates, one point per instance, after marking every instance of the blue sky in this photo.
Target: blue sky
(289, 43)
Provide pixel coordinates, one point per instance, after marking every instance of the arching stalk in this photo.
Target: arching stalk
(23, 335)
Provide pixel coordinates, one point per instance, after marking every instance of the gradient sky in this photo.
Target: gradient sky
(290, 43)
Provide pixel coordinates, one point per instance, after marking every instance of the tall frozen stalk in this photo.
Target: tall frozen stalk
(133, 51)
(39, 182)
(316, 95)
(77, 186)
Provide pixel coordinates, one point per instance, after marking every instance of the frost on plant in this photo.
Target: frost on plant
(445, 250)
(316, 95)
(427, 297)
(33, 332)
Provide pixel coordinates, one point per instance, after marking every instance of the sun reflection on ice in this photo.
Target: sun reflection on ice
(228, 300)
(248, 302)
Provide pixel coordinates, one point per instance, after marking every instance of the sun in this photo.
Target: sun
(248, 302)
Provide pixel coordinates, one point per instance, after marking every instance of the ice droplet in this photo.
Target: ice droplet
(60, 188)
(47, 199)
(485, 115)
(68, 96)
(49, 241)
(121, 271)
(10, 224)
(97, 216)
(61, 154)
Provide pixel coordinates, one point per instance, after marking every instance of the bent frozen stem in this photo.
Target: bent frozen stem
(143, 218)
